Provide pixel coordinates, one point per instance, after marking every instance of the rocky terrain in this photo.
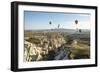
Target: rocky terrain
(43, 46)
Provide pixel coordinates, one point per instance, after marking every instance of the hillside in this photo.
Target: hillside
(41, 46)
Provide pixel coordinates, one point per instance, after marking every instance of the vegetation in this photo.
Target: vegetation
(55, 46)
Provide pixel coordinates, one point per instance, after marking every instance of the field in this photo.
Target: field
(56, 45)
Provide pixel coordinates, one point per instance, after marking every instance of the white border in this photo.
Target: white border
(22, 64)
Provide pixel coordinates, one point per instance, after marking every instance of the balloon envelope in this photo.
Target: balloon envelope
(50, 22)
(76, 21)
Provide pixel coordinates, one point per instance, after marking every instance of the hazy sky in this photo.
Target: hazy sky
(40, 20)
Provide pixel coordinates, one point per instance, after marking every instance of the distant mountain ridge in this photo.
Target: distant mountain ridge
(57, 30)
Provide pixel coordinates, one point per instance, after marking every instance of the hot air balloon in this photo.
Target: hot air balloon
(58, 26)
(50, 22)
(76, 22)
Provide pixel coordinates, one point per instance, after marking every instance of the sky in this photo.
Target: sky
(40, 20)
